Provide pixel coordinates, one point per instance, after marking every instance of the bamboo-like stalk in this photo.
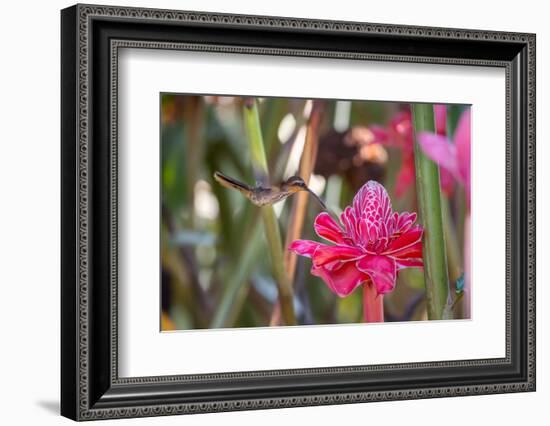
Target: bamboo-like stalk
(300, 200)
(429, 204)
(271, 226)
(299, 207)
(454, 261)
(451, 242)
(193, 114)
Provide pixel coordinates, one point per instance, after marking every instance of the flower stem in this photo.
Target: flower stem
(429, 203)
(271, 225)
(373, 304)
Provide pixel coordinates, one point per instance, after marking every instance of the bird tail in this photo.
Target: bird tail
(229, 182)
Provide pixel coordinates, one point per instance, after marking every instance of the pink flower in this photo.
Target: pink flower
(440, 114)
(372, 246)
(399, 133)
(452, 156)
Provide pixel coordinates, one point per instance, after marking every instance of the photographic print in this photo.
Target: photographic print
(291, 190)
(284, 212)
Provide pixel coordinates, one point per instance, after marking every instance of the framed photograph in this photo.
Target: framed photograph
(263, 212)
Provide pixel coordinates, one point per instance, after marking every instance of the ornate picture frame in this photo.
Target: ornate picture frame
(91, 37)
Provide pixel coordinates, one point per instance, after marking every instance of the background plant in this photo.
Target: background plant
(220, 267)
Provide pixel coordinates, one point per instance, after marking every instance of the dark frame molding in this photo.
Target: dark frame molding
(91, 37)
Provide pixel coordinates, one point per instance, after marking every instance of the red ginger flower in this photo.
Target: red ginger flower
(374, 243)
(399, 133)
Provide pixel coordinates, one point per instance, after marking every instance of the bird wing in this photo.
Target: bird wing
(230, 182)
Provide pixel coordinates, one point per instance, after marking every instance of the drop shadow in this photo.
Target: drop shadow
(51, 407)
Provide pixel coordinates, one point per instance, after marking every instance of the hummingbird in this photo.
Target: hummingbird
(261, 196)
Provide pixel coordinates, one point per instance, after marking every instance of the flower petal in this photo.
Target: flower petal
(328, 254)
(440, 113)
(327, 228)
(380, 135)
(462, 140)
(382, 271)
(409, 263)
(409, 238)
(441, 150)
(404, 222)
(447, 182)
(401, 125)
(410, 256)
(304, 247)
(406, 176)
(350, 223)
(343, 280)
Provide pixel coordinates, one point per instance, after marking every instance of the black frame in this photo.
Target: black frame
(91, 37)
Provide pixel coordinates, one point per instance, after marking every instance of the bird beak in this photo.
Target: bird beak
(317, 198)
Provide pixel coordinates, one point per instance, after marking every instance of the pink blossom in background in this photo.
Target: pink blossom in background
(440, 113)
(452, 156)
(399, 133)
(446, 179)
(371, 244)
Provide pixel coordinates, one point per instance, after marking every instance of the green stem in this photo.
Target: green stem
(276, 250)
(453, 249)
(275, 110)
(460, 213)
(271, 226)
(429, 204)
(254, 134)
(237, 286)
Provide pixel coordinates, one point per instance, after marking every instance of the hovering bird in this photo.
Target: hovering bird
(262, 196)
